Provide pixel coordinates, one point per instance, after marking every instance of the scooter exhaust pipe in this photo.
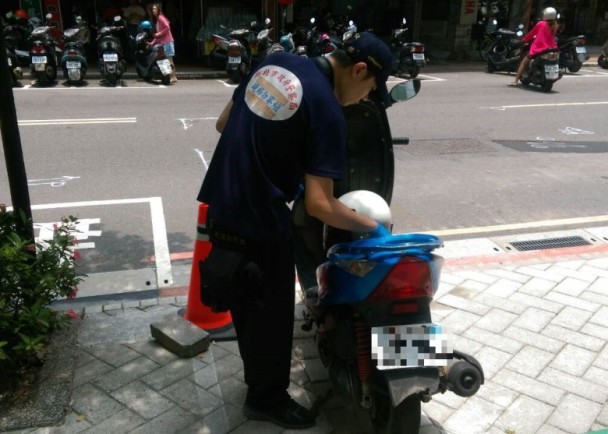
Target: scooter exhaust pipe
(464, 378)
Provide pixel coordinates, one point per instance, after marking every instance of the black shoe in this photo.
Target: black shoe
(290, 415)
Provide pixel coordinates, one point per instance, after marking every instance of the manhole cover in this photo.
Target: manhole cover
(550, 243)
(446, 146)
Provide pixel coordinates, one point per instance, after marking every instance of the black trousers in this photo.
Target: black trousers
(263, 318)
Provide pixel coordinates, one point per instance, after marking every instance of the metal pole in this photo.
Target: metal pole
(13, 154)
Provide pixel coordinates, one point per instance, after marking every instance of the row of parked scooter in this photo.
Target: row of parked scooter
(504, 48)
(45, 49)
(237, 50)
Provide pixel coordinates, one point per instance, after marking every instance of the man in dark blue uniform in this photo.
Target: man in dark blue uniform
(283, 127)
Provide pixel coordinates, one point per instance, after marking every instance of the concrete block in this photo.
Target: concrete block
(180, 336)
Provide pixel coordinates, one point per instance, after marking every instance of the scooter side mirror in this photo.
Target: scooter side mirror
(267, 21)
(403, 21)
(117, 18)
(312, 20)
(405, 90)
(48, 16)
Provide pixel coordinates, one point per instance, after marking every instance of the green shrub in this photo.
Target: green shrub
(31, 278)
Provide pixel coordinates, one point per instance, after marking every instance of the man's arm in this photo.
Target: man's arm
(221, 121)
(321, 203)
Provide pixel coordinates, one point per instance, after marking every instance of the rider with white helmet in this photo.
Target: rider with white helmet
(542, 37)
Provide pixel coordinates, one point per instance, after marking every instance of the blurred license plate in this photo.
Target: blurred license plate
(418, 56)
(233, 60)
(581, 50)
(410, 346)
(165, 66)
(72, 64)
(110, 57)
(38, 59)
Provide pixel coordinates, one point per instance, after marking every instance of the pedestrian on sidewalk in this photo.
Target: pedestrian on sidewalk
(163, 36)
(283, 127)
(542, 36)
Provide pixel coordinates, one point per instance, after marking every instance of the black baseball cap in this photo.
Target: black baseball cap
(369, 48)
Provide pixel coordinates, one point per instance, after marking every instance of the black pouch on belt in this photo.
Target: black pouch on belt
(221, 277)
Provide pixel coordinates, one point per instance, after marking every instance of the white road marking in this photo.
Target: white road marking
(202, 157)
(53, 182)
(563, 104)
(159, 230)
(78, 121)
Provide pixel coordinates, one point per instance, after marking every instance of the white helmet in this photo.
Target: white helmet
(549, 14)
(370, 204)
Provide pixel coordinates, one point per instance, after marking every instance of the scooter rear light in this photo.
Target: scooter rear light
(580, 41)
(359, 268)
(38, 49)
(234, 50)
(216, 40)
(411, 277)
(418, 49)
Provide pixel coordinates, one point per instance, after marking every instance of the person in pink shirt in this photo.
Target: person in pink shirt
(542, 36)
(163, 36)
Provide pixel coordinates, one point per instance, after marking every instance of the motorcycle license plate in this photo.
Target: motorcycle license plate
(164, 66)
(234, 60)
(581, 50)
(110, 57)
(38, 60)
(418, 56)
(72, 64)
(410, 346)
(551, 71)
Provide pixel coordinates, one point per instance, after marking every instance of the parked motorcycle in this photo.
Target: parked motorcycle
(572, 53)
(409, 56)
(237, 48)
(17, 30)
(74, 60)
(505, 52)
(602, 61)
(44, 54)
(151, 63)
(543, 70)
(15, 71)
(111, 61)
(370, 299)
(263, 41)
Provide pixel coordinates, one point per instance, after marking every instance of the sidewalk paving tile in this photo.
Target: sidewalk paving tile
(517, 417)
(586, 412)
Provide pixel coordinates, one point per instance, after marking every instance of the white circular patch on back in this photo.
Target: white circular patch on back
(274, 93)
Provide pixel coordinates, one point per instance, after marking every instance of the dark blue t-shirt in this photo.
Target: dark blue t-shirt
(285, 123)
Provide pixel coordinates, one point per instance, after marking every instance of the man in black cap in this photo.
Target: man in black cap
(283, 128)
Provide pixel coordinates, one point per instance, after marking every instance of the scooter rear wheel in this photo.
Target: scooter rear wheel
(575, 66)
(413, 71)
(547, 86)
(602, 62)
(403, 419)
(112, 79)
(166, 80)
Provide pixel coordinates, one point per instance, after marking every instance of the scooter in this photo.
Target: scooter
(16, 35)
(15, 71)
(543, 70)
(409, 56)
(505, 52)
(572, 53)
(44, 54)
(370, 299)
(74, 59)
(602, 61)
(237, 47)
(111, 60)
(151, 63)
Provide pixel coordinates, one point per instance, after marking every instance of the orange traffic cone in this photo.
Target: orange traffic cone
(218, 325)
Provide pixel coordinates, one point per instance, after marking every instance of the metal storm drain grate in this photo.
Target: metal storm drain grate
(550, 243)
(447, 146)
